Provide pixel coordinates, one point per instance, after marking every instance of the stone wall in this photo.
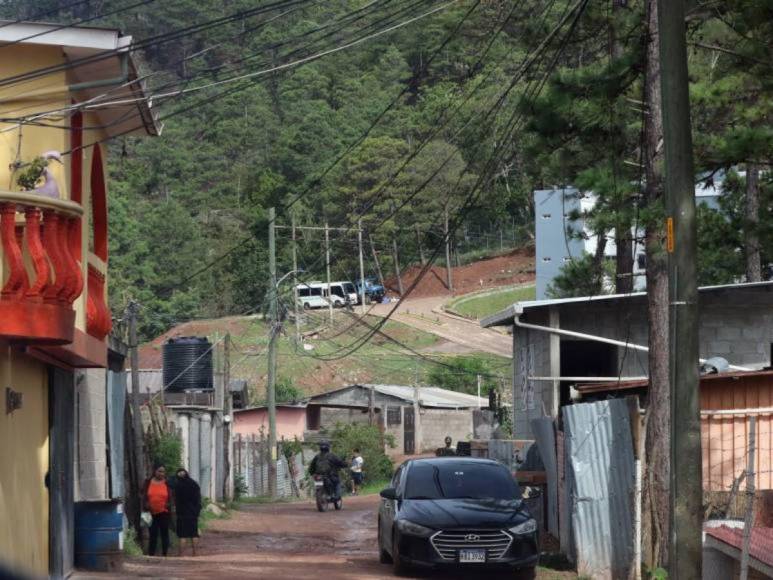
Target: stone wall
(91, 479)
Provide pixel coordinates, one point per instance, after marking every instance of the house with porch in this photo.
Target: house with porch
(54, 317)
(560, 343)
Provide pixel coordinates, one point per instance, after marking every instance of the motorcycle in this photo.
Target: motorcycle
(324, 493)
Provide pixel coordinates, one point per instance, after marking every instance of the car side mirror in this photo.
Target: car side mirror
(389, 493)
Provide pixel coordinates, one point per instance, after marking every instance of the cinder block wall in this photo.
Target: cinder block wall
(398, 432)
(436, 424)
(91, 479)
(329, 417)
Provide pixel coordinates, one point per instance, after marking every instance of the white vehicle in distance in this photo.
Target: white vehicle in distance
(320, 295)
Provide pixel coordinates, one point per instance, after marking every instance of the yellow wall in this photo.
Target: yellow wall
(23, 465)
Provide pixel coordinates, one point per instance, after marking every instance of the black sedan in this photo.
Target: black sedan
(456, 512)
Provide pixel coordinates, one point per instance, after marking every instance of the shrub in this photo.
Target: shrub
(166, 449)
(461, 375)
(240, 486)
(370, 441)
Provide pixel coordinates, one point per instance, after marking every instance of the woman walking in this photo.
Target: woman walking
(157, 499)
(187, 496)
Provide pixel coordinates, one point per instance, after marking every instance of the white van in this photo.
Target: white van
(319, 294)
(312, 295)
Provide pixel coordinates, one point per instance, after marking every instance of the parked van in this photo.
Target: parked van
(312, 295)
(320, 295)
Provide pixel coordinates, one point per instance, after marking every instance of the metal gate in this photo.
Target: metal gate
(60, 471)
(409, 429)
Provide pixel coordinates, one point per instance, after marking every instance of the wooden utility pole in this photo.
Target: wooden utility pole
(227, 418)
(272, 345)
(362, 265)
(376, 261)
(327, 270)
(133, 429)
(686, 485)
(749, 516)
(657, 479)
(396, 258)
(447, 238)
(295, 284)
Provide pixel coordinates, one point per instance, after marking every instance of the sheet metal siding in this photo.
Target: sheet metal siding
(116, 400)
(544, 433)
(600, 458)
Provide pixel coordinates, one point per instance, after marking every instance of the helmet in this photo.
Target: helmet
(448, 440)
(324, 446)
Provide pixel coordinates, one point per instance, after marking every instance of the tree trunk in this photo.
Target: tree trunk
(420, 245)
(658, 439)
(623, 259)
(751, 234)
(598, 262)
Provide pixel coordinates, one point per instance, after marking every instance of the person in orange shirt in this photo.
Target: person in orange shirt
(157, 499)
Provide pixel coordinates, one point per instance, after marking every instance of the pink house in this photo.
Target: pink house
(290, 421)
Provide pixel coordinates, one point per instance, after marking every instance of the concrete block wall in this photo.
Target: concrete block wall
(91, 471)
(396, 431)
(329, 417)
(436, 424)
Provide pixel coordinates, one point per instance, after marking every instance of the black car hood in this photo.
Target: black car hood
(464, 513)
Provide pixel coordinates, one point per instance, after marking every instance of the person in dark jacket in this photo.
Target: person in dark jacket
(326, 463)
(157, 499)
(187, 501)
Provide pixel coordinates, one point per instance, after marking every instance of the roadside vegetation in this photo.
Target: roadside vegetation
(480, 305)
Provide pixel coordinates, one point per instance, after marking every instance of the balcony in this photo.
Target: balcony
(40, 274)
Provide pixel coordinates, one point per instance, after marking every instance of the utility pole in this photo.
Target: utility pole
(396, 258)
(362, 265)
(449, 276)
(226, 414)
(327, 269)
(136, 424)
(375, 261)
(295, 285)
(749, 516)
(685, 553)
(479, 384)
(272, 344)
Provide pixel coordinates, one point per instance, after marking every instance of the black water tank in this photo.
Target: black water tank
(188, 364)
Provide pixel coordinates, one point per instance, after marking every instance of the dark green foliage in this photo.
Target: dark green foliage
(579, 277)
(165, 449)
(370, 441)
(461, 374)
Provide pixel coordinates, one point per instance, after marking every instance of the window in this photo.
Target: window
(393, 416)
(316, 292)
(304, 292)
(337, 290)
(641, 261)
(349, 288)
(457, 480)
(396, 478)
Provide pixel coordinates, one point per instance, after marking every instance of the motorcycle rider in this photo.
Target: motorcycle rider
(326, 464)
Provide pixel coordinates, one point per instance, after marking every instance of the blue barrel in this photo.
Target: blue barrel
(99, 535)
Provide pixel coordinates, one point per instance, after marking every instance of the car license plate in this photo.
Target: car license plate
(319, 483)
(472, 556)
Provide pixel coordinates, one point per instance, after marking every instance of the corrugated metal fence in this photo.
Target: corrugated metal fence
(251, 456)
(600, 475)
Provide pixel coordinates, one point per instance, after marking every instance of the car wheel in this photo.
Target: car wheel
(399, 567)
(338, 504)
(321, 503)
(306, 306)
(526, 573)
(383, 555)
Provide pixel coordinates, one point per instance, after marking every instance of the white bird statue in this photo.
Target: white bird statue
(49, 188)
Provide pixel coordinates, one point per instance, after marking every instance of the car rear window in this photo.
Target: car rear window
(460, 480)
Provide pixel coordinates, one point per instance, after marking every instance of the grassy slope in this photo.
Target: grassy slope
(378, 361)
(480, 306)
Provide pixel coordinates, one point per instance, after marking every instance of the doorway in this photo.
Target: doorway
(586, 358)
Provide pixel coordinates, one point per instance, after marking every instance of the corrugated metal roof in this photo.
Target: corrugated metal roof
(761, 541)
(587, 388)
(505, 317)
(432, 396)
(599, 451)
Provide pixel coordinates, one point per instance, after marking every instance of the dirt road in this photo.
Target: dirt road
(426, 314)
(284, 541)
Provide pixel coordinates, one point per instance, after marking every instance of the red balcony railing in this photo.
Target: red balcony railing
(41, 277)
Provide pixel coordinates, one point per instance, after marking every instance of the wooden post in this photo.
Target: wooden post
(749, 517)
(396, 258)
(449, 267)
(376, 262)
(295, 284)
(327, 270)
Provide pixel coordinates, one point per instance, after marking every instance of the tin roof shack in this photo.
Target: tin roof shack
(290, 420)
(559, 343)
(722, 546)
(419, 418)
